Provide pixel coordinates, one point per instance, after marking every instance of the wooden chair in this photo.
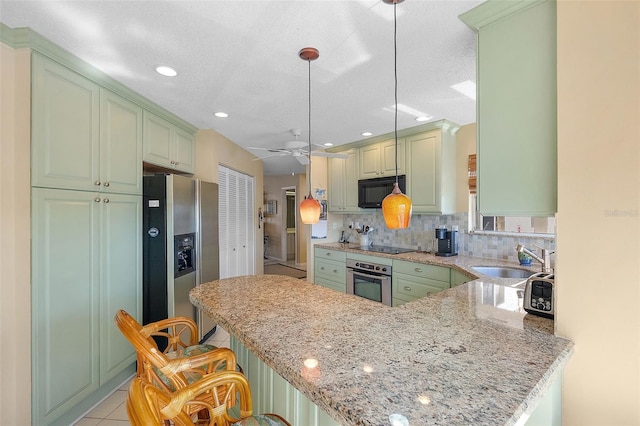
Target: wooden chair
(182, 362)
(148, 405)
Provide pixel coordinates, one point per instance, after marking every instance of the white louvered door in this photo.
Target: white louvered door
(237, 233)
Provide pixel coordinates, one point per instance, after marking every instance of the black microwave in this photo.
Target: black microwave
(371, 192)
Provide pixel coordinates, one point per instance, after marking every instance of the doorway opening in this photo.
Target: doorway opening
(290, 225)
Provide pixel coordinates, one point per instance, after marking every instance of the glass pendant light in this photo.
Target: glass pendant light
(310, 208)
(396, 207)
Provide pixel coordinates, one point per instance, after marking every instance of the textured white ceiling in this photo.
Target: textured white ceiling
(241, 57)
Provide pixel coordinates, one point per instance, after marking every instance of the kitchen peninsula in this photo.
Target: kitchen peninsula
(452, 358)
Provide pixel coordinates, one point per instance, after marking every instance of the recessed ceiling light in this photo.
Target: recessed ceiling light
(327, 144)
(367, 134)
(467, 88)
(424, 118)
(166, 71)
(221, 114)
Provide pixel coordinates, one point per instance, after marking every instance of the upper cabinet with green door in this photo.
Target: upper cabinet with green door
(167, 145)
(431, 170)
(84, 137)
(516, 83)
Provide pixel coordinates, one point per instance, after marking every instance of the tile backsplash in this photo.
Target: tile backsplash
(420, 234)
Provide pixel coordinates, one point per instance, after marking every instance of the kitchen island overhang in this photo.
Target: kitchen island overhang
(447, 358)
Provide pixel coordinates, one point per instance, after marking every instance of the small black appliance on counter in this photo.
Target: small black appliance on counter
(538, 295)
(447, 242)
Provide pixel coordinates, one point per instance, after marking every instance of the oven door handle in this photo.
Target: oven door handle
(364, 274)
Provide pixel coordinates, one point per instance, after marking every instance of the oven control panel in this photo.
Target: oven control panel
(367, 266)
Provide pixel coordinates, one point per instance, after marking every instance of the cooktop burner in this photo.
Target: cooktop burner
(388, 250)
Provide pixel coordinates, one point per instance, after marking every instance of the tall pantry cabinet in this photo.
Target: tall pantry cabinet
(86, 237)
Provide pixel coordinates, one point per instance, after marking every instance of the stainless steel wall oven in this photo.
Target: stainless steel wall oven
(369, 280)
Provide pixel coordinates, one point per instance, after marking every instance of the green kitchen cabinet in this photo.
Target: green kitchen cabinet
(431, 171)
(517, 114)
(412, 281)
(84, 137)
(342, 192)
(330, 269)
(458, 277)
(86, 264)
(379, 159)
(167, 145)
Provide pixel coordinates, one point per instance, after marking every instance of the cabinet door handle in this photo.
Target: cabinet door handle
(406, 287)
(322, 268)
(106, 200)
(335, 271)
(106, 184)
(328, 254)
(173, 162)
(97, 183)
(97, 199)
(418, 269)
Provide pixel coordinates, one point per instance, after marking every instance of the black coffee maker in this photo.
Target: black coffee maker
(447, 242)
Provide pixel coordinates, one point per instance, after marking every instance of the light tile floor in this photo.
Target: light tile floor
(113, 410)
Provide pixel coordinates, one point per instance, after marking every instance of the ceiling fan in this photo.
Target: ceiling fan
(297, 149)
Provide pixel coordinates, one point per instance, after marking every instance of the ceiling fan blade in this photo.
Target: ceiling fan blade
(303, 159)
(270, 156)
(282, 150)
(327, 154)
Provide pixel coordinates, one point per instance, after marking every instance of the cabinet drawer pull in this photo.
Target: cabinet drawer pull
(406, 287)
(322, 268)
(335, 271)
(328, 254)
(418, 269)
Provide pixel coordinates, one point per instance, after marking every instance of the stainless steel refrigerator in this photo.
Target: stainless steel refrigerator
(180, 245)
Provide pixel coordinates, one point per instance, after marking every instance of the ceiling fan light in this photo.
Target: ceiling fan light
(396, 209)
(310, 210)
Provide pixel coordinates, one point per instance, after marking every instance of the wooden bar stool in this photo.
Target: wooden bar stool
(148, 405)
(182, 362)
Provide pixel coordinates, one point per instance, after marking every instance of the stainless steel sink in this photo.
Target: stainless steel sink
(502, 271)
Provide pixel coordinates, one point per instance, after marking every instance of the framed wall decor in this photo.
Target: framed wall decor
(271, 207)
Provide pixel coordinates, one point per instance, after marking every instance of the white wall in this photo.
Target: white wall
(15, 233)
(598, 230)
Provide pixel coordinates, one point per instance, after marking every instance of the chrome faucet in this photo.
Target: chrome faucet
(545, 260)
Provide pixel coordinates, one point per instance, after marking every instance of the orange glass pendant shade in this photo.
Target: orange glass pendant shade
(310, 210)
(396, 209)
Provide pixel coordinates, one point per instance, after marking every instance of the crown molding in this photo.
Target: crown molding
(494, 10)
(26, 38)
(443, 125)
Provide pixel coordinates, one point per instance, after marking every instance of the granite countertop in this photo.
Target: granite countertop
(467, 355)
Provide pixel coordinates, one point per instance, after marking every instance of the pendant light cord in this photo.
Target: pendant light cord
(395, 77)
(309, 151)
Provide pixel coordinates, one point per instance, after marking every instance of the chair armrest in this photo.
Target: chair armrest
(204, 363)
(224, 385)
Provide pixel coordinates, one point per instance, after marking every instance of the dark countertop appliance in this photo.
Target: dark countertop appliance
(447, 242)
(371, 192)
